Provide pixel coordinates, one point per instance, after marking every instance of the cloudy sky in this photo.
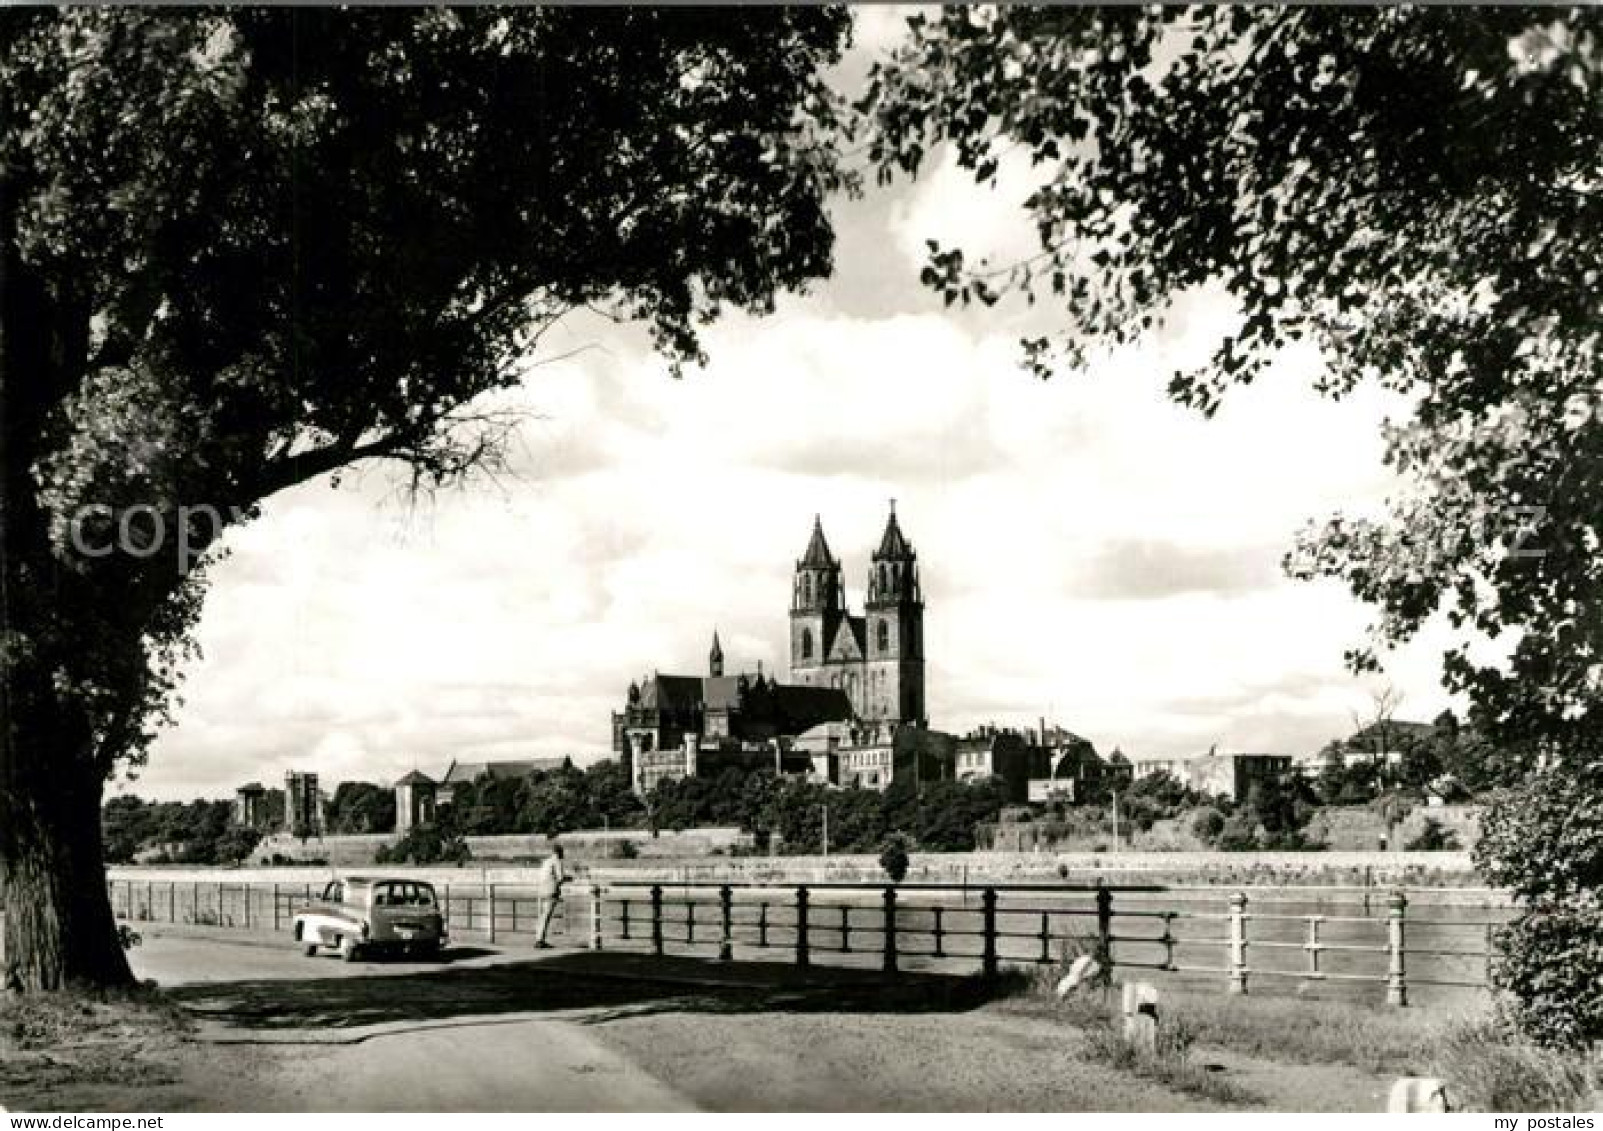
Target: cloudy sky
(1089, 551)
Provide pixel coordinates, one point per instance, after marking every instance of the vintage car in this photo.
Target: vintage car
(360, 915)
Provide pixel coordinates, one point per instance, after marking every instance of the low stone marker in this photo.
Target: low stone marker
(1412, 1094)
(1141, 1015)
(1081, 972)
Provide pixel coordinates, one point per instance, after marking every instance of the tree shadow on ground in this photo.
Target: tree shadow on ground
(567, 983)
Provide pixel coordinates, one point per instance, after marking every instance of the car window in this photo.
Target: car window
(335, 892)
(425, 895)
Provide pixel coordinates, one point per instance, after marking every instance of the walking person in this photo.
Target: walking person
(549, 888)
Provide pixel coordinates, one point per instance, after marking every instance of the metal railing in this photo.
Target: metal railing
(491, 913)
(1230, 938)
(1227, 937)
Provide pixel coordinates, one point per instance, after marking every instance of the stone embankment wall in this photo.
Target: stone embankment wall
(351, 851)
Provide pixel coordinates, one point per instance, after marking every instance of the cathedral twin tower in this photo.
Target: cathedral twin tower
(877, 659)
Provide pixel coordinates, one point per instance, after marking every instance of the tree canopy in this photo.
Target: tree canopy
(1414, 190)
(243, 248)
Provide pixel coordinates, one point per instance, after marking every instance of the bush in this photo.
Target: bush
(1207, 824)
(1434, 837)
(1550, 958)
(425, 844)
(1538, 842)
(893, 857)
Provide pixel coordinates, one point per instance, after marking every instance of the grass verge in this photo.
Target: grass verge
(1488, 1066)
(1169, 1064)
(74, 1039)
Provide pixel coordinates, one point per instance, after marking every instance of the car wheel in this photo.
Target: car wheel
(310, 950)
(348, 949)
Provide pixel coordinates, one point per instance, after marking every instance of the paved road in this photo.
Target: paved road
(317, 1034)
(578, 1031)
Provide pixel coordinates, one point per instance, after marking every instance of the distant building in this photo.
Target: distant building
(250, 806)
(1226, 774)
(675, 726)
(874, 756)
(1075, 771)
(415, 801)
(467, 773)
(1234, 774)
(1005, 754)
(1146, 767)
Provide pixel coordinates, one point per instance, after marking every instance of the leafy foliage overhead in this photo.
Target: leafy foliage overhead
(1414, 190)
(264, 244)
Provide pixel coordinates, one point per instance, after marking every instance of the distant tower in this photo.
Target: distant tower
(816, 609)
(414, 802)
(303, 804)
(895, 645)
(715, 658)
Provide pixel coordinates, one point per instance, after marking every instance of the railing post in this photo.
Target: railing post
(172, 901)
(490, 893)
(1046, 938)
(940, 934)
(726, 911)
(656, 919)
(801, 925)
(445, 906)
(623, 912)
(988, 932)
(246, 892)
(1312, 945)
(845, 929)
(1168, 940)
(220, 922)
(762, 924)
(1104, 920)
(1238, 943)
(690, 917)
(595, 916)
(890, 929)
(1396, 983)
(275, 909)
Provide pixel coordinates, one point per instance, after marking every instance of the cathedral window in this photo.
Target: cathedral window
(884, 631)
(807, 643)
(807, 589)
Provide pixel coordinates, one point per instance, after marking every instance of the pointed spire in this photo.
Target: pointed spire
(818, 555)
(715, 658)
(893, 546)
(717, 648)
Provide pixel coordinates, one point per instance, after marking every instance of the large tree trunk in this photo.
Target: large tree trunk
(59, 929)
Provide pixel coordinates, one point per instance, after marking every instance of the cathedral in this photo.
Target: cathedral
(877, 659)
(861, 673)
